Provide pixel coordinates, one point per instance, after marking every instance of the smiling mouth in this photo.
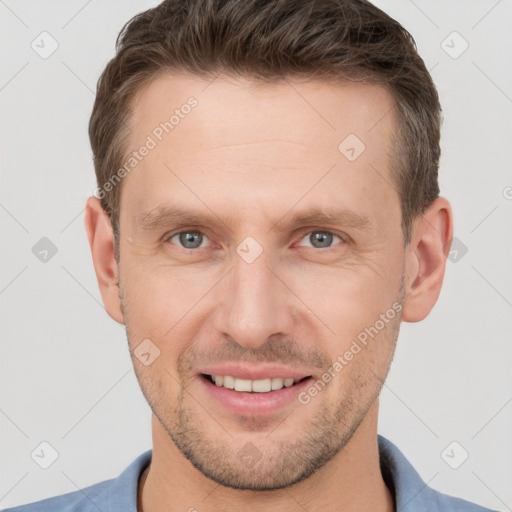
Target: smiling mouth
(252, 386)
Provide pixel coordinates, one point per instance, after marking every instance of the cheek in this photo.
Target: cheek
(163, 304)
(349, 299)
(158, 297)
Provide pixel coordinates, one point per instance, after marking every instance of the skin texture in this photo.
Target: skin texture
(250, 156)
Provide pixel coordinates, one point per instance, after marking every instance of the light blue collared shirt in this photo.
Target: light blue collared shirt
(119, 494)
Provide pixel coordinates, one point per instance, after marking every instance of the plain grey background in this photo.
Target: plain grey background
(66, 375)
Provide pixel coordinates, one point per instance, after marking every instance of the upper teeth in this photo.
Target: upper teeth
(255, 386)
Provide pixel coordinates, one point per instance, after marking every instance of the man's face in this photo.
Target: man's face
(246, 285)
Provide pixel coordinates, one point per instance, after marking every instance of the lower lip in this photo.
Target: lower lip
(253, 404)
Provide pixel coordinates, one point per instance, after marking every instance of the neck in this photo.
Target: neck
(351, 481)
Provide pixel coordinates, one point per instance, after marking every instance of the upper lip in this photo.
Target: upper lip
(254, 373)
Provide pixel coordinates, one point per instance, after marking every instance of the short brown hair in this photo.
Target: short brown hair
(270, 40)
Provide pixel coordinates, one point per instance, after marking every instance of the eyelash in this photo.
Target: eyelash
(343, 239)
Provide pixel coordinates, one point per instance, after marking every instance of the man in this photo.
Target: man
(268, 213)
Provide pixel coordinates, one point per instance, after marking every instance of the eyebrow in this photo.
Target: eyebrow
(164, 217)
(335, 216)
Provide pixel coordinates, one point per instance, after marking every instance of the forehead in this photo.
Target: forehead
(232, 139)
(262, 110)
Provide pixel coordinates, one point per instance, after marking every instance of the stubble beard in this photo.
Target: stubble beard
(281, 462)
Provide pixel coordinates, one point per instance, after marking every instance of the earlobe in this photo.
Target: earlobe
(426, 260)
(101, 241)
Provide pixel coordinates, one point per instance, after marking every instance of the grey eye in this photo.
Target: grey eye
(189, 239)
(321, 239)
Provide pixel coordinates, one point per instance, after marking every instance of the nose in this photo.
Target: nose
(254, 303)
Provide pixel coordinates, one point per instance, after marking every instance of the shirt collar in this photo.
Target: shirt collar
(411, 493)
(122, 494)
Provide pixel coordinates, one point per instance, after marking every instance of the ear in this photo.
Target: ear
(425, 261)
(101, 240)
